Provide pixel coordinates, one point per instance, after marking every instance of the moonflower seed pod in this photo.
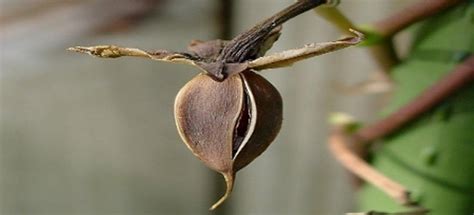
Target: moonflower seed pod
(228, 124)
(229, 115)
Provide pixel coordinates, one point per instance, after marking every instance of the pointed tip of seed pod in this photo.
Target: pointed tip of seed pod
(229, 180)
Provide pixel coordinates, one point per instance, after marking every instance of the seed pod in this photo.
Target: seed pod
(228, 124)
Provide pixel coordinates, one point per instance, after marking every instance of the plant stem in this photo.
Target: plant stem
(246, 45)
(338, 144)
(461, 76)
(383, 52)
(339, 141)
(384, 55)
(337, 18)
(413, 13)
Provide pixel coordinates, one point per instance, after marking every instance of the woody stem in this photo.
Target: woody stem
(246, 45)
(418, 11)
(462, 76)
(388, 27)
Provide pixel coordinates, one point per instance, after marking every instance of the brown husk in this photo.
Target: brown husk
(207, 114)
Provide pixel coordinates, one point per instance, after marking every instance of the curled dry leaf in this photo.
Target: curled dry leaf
(287, 58)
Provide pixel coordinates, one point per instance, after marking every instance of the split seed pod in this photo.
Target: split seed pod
(228, 124)
(227, 119)
(229, 115)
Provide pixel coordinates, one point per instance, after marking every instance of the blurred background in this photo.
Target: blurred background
(82, 135)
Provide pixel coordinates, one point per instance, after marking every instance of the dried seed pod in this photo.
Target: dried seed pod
(228, 124)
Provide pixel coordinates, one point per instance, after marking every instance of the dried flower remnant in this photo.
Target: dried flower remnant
(228, 115)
